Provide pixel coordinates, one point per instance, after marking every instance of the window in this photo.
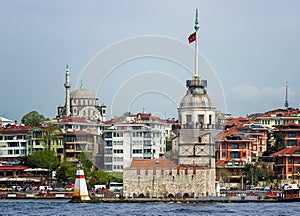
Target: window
(235, 146)
(147, 151)
(223, 154)
(108, 159)
(10, 152)
(108, 151)
(147, 143)
(137, 134)
(244, 145)
(290, 170)
(118, 142)
(13, 144)
(291, 143)
(118, 158)
(244, 154)
(234, 155)
(108, 135)
(137, 151)
(118, 151)
(188, 118)
(223, 146)
(291, 135)
(118, 134)
(108, 143)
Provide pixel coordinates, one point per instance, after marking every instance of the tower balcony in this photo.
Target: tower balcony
(202, 126)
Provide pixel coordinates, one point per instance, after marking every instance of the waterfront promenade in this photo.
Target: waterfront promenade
(98, 198)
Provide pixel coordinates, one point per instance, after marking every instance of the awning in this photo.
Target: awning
(36, 170)
(20, 179)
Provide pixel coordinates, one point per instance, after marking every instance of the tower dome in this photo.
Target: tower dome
(196, 96)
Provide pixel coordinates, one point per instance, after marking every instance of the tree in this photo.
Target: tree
(86, 159)
(61, 174)
(101, 177)
(50, 133)
(224, 174)
(43, 159)
(123, 117)
(33, 119)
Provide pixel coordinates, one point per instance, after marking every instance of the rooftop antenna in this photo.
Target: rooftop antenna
(286, 103)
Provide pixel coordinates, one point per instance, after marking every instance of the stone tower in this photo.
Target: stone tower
(198, 126)
(197, 117)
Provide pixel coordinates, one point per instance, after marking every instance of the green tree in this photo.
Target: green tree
(86, 159)
(33, 119)
(99, 177)
(50, 133)
(70, 173)
(43, 159)
(123, 117)
(61, 174)
(224, 174)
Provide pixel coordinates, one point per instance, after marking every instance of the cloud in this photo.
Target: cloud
(246, 98)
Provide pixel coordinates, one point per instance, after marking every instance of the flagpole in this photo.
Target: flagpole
(196, 44)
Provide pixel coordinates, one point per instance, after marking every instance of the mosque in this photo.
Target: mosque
(81, 103)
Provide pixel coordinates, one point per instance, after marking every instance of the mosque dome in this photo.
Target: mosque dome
(82, 93)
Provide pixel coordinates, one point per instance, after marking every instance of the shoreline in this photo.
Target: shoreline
(95, 199)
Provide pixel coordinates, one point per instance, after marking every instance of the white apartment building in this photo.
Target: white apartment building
(143, 139)
(13, 142)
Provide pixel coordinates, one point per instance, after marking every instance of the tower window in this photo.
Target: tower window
(188, 118)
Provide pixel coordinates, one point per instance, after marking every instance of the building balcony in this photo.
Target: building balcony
(70, 150)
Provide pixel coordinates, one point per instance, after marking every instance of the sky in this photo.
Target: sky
(134, 55)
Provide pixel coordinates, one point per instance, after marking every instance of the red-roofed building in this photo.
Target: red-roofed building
(13, 142)
(287, 163)
(241, 142)
(278, 117)
(290, 132)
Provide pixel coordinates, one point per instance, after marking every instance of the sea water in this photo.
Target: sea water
(63, 207)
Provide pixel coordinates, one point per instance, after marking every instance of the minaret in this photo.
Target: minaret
(286, 103)
(67, 86)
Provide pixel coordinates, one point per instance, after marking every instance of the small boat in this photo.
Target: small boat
(290, 193)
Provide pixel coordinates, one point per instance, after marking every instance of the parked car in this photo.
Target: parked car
(45, 188)
(249, 187)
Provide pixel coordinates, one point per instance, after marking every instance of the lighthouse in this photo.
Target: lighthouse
(80, 193)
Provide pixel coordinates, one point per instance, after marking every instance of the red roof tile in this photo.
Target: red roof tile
(287, 151)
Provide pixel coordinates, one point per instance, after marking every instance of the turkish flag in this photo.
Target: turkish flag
(192, 37)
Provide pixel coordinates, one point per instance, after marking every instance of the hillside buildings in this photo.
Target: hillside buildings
(81, 120)
(142, 136)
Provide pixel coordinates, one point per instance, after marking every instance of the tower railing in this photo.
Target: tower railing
(202, 126)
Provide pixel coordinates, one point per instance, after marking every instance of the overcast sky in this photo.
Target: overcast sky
(252, 47)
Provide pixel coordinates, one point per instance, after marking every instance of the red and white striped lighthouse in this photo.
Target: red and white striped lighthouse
(80, 190)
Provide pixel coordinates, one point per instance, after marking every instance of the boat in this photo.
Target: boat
(290, 193)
